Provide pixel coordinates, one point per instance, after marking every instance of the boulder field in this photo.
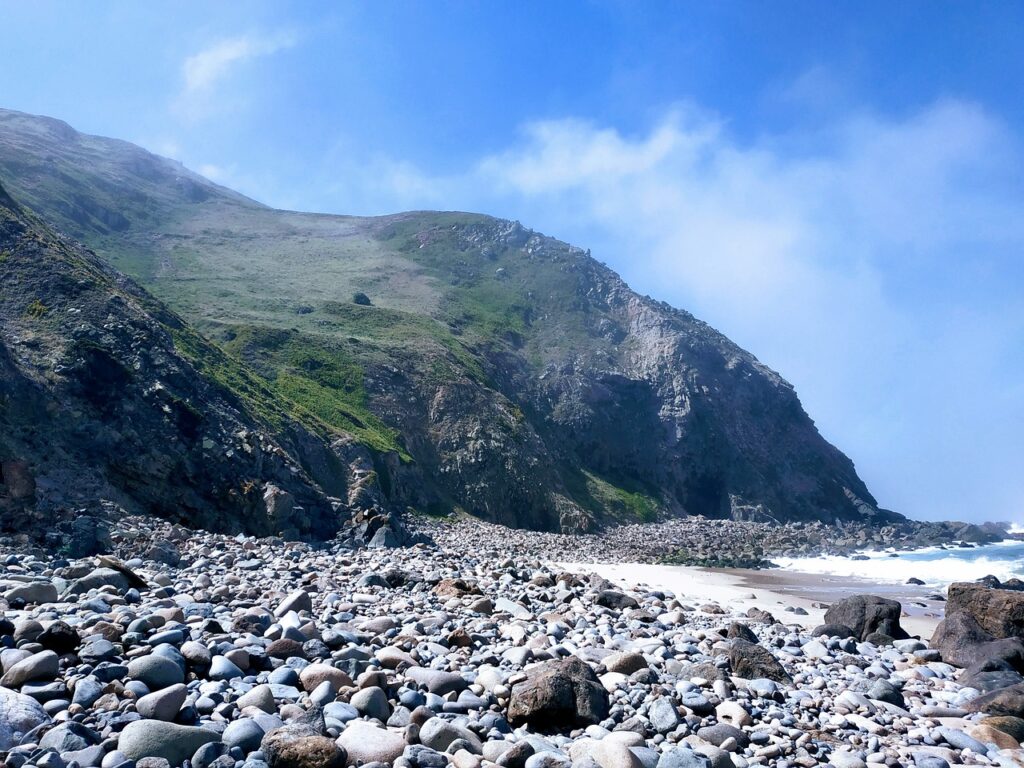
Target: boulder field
(259, 653)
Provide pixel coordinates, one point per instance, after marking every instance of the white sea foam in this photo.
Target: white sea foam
(935, 566)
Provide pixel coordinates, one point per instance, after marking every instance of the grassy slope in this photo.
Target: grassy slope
(274, 288)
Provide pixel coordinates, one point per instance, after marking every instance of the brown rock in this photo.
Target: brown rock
(286, 749)
(986, 734)
(314, 674)
(1000, 612)
(455, 588)
(285, 648)
(1014, 726)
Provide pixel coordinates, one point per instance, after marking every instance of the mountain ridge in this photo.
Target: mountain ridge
(498, 370)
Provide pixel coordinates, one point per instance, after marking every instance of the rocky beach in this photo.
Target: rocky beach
(189, 648)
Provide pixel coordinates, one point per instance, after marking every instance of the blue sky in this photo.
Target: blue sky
(837, 186)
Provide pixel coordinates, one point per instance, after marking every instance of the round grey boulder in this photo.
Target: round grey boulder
(155, 738)
(19, 714)
(155, 671)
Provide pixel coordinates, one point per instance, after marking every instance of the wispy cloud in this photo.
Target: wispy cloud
(204, 71)
(867, 261)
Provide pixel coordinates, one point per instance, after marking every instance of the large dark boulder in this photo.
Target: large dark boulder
(867, 614)
(963, 642)
(559, 694)
(741, 632)
(1000, 612)
(751, 661)
(612, 598)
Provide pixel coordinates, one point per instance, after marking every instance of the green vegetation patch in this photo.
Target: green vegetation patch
(36, 309)
(625, 501)
(319, 375)
(393, 330)
(253, 394)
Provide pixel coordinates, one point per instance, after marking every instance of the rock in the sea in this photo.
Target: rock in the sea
(558, 694)
(156, 738)
(19, 714)
(752, 661)
(866, 614)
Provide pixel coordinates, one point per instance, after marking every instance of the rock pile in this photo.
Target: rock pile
(238, 652)
(701, 541)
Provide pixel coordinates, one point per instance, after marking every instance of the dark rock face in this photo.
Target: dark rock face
(611, 598)
(559, 694)
(751, 661)
(867, 614)
(1000, 612)
(984, 624)
(964, 643)
(99, 401)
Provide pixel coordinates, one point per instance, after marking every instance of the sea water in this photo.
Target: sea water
(936, 566)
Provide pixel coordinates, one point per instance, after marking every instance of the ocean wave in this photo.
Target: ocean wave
(935, 566)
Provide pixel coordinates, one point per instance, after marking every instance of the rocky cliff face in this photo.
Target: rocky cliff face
(600, 392)
(96, 402)
(493, 370)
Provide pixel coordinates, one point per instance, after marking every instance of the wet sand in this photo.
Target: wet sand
(771, 590)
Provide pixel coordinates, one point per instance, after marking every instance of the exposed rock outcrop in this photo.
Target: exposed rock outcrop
(105, 394)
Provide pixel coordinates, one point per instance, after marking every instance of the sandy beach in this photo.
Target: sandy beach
(771, 590)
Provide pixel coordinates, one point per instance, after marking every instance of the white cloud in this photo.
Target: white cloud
(204, 71)
(866, 261)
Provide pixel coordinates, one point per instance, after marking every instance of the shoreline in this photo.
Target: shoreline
(772, 590)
